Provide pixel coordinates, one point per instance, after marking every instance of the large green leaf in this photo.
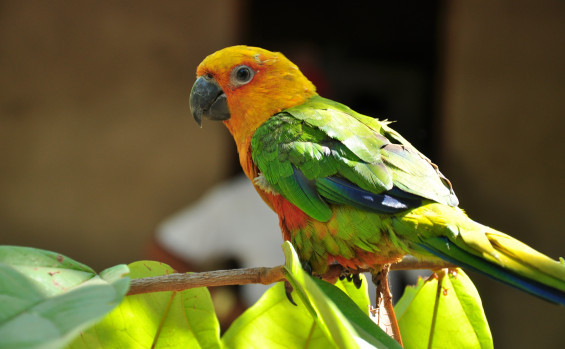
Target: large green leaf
(183, 319)
(339, 317)
(49, 272)
(446, 309)
(326, 316)
(358, 295)
(366, 329)
(46, 299)
(273, 322)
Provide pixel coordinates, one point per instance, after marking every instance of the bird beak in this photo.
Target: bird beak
(207, 99)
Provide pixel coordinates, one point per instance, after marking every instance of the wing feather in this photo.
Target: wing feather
(322, 152)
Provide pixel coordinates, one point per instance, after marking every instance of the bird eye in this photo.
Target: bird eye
(241, 75)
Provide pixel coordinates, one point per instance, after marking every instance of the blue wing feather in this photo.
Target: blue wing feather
(341, 191)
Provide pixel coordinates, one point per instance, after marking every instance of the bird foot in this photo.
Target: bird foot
(288, 287)
(288, 291)
(351, 277)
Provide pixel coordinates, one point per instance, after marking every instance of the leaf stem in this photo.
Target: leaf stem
(163, 317)
(440, 275)
(310, 333)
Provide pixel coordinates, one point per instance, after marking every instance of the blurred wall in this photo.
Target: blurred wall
(503, 126)
(97, 143)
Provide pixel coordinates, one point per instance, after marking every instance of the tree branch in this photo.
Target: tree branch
(179, 282)
(262, 275)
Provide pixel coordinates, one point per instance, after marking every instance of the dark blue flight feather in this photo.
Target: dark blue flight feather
(342, 191)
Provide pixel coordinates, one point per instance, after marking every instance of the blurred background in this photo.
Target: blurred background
(98, 148)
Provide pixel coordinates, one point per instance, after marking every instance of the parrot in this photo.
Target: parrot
(347, 188)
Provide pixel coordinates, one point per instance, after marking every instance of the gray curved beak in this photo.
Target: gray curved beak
(207, 99)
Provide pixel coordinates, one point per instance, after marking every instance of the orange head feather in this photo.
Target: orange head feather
(274, 84)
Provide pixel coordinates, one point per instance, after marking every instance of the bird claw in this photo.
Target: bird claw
(288, 291)
(357, 282)
(346, 274)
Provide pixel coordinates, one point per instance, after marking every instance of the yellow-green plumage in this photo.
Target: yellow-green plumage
(372, 198)
(347, 188)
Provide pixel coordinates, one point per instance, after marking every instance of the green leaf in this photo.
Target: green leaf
(50, 272)
(359, 295)
(340, 318)
(446, 308)
(46, 299)
(184, 319)
(273, 322)
(326, 316)
(366, 329)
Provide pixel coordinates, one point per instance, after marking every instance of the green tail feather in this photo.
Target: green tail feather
(509, 261)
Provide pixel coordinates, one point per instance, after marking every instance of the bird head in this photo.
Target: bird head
(244, 86)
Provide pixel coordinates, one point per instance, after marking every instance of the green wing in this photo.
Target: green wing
(322, 152)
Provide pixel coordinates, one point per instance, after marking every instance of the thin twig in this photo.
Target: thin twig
(262, 275)
(179, 282)
(388, 306)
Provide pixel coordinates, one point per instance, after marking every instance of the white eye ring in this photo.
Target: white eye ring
(241, 75)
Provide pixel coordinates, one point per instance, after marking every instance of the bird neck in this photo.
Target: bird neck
(246, 119)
